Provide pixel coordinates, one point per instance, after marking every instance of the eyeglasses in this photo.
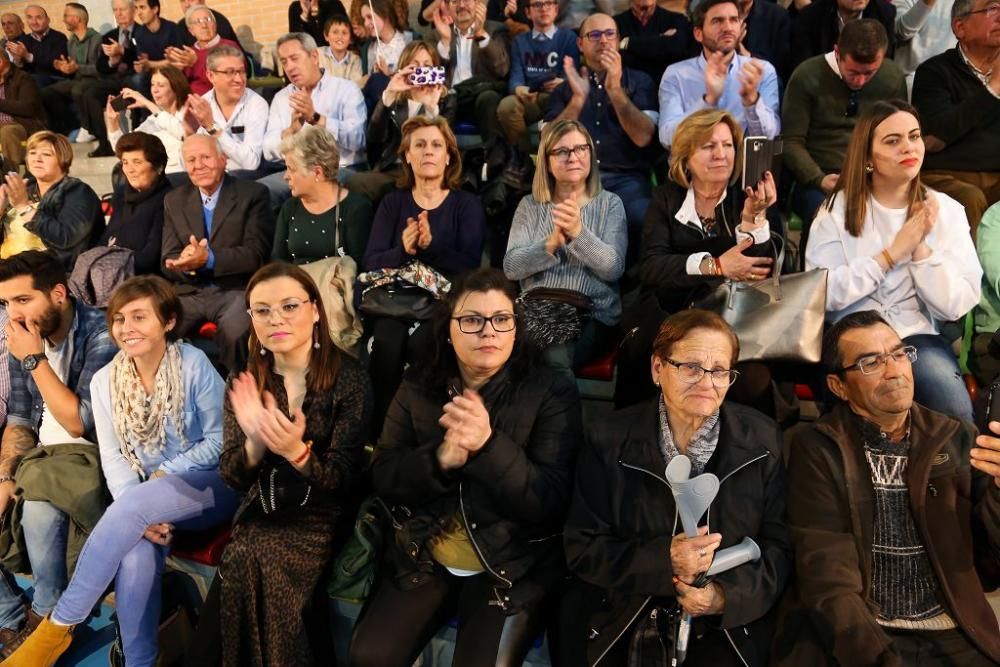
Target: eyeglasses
(992, 11)
(562, 154)
(231, 73)
(473, 324)
(542, 5)
(595, 35)
(286, 311)
(692, 373)
(852, 105)
(202, 20)
(873, 363)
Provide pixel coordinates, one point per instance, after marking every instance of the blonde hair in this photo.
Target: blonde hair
(694, 131)
(544, 183)
(59, 143)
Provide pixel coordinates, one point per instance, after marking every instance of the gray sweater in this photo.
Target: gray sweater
(591, 263)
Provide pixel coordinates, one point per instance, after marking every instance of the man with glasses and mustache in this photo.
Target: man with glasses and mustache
(618, 106)
(719, 77)
(824, 96)
(894, 511)
(958, 96)
(231, 112)
(535, 71)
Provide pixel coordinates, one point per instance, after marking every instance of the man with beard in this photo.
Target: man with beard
(896, 536)
(48, 451)
(719, 77)
(617, 105)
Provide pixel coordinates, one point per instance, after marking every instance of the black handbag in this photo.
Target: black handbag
(552, 316)
(400, 300)
(282, 488)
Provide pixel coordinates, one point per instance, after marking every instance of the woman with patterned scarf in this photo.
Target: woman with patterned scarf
(158, 410)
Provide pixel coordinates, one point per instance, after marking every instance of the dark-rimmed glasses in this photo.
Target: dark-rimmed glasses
(473, 324)
(562, 154)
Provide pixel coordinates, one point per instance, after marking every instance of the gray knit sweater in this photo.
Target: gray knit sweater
(590, 264)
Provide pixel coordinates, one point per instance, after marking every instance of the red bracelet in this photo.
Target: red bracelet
(304, 455)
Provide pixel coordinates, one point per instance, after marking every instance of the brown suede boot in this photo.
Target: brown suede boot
(31, 621)
(42, 647)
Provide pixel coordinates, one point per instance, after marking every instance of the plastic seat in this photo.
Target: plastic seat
(204, 546)
(208, 330)
(465, 128)
(601, 369)
(804, 392)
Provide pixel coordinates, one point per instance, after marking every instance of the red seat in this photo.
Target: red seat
(804, 392)
(208, 330)
(204, 546)
(971, 386)
(601, 369)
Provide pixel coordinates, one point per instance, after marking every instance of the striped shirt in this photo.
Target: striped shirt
(590, 264)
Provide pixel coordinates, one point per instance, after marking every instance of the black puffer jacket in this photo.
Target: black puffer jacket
(512, 496)
(622, 520)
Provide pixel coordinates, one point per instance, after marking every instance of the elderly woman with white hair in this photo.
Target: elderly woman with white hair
(322, 219)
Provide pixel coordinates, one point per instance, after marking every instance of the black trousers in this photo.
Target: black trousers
(92, 103)
(227, 309)
(395, 625)
(392, 348)
(936, 648)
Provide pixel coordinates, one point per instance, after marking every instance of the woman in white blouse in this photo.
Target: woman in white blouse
(170, 90)
(894, 246)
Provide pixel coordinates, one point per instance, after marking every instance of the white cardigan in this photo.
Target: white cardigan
(914, 296)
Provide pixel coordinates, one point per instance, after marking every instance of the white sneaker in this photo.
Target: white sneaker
(83, 137)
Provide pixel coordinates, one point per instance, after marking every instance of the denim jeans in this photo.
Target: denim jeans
(45, 531)
(117, 549)
(937, 380)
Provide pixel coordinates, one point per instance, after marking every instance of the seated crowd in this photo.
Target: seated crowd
(373, 285)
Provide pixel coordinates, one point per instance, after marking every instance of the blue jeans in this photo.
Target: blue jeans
(46, 531)
(117, 549)
(937, 380)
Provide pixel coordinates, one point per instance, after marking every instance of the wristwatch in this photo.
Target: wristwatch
(315, 118)
(212, 131)
(30, 362)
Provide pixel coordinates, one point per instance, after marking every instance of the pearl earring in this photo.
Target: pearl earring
(263, 352)
(315, 336)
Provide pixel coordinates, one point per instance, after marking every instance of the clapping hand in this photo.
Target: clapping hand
(301, 104)
(715, 76)
(193, 257)
(424, 236)
(443, 21)
(579, 81)
(566, 217)
(16, 189)
(468, 429)
(281, 435)
(750, 75)
(200, 110)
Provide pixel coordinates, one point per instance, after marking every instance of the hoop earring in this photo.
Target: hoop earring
(316, 336)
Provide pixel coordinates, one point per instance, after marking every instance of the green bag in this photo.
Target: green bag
(354, 568)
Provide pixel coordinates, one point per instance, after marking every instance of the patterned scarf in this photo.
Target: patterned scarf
(140, 421)
(702, 445)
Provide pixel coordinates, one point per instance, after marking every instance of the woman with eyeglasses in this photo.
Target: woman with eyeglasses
(476, 462)
(701, 229)
(636, 569)
(295, 424)
(894, 246)
(569, 234)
